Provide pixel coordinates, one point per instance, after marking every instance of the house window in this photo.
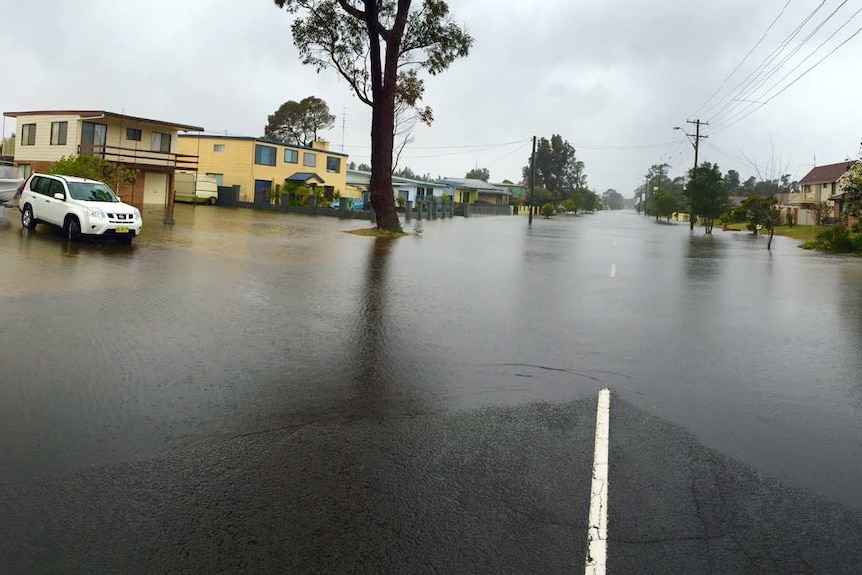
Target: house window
(161, 142)
(309, 160)
(806, 189)
(218, 148)
(264, 155)
(291, 157)
(28, 135)
(333, 165)
(219, 178)
(133, 134)
(826, 187)
(58, 133)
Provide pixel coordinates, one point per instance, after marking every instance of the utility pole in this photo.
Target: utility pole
(532, 180)
(697, 137)
(343, 125)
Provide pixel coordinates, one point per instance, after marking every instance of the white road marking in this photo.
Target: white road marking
(613, 270)
(597, 552)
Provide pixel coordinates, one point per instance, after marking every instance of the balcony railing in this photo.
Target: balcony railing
(141, 157)
(800, 197)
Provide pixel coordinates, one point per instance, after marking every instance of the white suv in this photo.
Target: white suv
(79, 206)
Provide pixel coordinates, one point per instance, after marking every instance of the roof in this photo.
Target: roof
(828, 173)
(92, 113)
(304, 177)
(395, 180)
(262, 140)
(472, 184)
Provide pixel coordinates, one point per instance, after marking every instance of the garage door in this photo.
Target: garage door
(155, 185)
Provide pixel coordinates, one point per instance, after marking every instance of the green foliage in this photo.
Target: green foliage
(297, 123)
(478, 174)
(613, 200)
(761, 211)
(379, 48)
(94, 168)
(707, 193)
(820, 211)
(586, 200)
(400, 201)
(570, 206)
(545, 196)
(275, 195)
(548, 210)
(837, 239)
(406, 172)
(364, 167)
(665, 204)
(335, 34)
(557, 168)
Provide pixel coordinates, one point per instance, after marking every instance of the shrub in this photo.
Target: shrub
(855, 228)
(836, 239)
(548, 210)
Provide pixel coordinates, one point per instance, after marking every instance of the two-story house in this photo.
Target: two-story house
(821, 184)
(257, 165)
(149, 146)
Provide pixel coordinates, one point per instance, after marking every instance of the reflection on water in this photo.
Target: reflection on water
(233, 321)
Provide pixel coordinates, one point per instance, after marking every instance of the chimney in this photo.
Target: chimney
(320, 145)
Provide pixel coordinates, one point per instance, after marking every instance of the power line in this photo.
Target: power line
(753, 75)
(764, 78)
(744, 59)
(802, 75)
(453, 147)
(783, 78)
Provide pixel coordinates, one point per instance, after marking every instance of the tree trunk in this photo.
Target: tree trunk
(382, 146)
(769, 243)
(384, 81)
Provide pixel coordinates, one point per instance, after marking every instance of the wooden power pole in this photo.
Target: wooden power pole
(697, 137)
(532, 180)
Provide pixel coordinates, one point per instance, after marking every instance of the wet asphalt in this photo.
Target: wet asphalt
(260, 393)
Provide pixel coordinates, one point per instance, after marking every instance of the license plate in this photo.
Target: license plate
(122, 230)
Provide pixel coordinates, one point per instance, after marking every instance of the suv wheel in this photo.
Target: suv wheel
(212, 201)
(27, 219)
(72, 228)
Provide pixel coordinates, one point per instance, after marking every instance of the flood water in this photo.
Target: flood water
(233, 322)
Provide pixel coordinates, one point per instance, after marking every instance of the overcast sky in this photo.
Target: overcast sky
(610, 74)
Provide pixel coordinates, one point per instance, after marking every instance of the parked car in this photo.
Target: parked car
(355, 205)
(10, 182)
(79, 206)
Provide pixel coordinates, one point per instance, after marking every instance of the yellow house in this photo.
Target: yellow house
(150, 146)
(256, 165)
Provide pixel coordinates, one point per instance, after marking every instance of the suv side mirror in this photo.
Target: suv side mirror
(60, 196)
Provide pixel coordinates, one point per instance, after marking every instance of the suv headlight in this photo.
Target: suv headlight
(96, 213)
(137, 215)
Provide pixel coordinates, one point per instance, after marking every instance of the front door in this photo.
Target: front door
(93, 139)
(261, 191)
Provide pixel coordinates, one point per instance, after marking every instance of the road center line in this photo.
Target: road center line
(597, 535)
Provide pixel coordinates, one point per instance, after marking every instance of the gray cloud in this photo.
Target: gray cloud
(619, 73)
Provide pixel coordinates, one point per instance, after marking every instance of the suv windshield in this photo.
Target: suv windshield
(91, 192)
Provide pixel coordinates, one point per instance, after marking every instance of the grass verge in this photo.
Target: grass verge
(801, 233)
(376, 233)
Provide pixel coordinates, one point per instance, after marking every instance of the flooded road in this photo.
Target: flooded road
(237, 344)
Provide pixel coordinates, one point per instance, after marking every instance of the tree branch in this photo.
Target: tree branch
(352, 10)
